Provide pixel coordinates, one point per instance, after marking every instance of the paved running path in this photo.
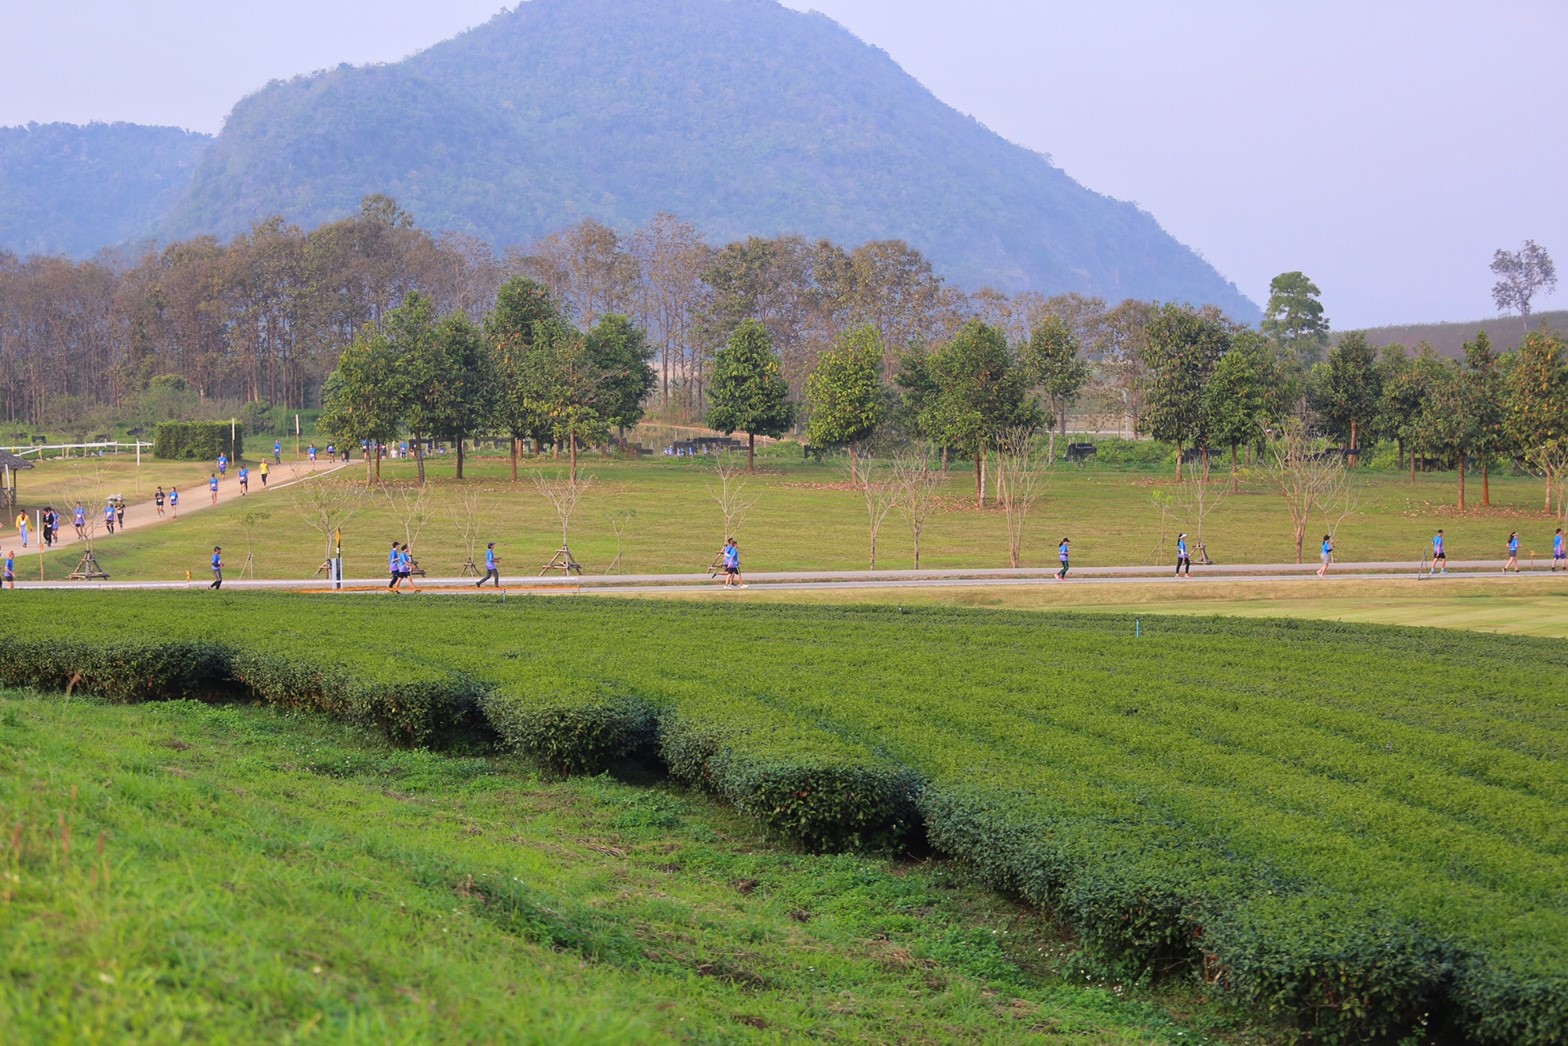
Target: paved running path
(193, 499)
(1241, 575)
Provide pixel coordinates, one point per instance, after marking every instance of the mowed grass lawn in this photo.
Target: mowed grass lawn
(801, 516)
(188, 873)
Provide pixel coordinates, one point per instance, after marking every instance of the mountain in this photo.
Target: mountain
(741, 116)
(1506, 333)
(66, 189)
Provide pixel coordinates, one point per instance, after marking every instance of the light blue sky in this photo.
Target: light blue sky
(1384, 147)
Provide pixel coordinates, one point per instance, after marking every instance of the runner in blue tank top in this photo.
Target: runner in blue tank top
(1513, 552)
(1558, 555)
(1439, 553)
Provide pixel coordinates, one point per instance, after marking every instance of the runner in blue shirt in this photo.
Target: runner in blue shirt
(311, 450)
(1513, 552)
(1182, 560)
(212, 487)
(277, 452)
(1326, 554)
(732, 575)
(79, 517)
(244, 480)
(174, 502)
(394, 567)
(1061, 554)
(108, 516)
(1558, 555)
(1439, 554)
(223, 464)
(405, 565)
(217, 567)
(10, 569)
(492, 567)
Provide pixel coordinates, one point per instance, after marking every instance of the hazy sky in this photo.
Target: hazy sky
(1384, 147)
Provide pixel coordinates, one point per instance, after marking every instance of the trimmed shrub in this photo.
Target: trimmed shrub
(167, 670)
(197, 440)
(584, 736)
(1339, 969)
(1519, 997)
(422, 709)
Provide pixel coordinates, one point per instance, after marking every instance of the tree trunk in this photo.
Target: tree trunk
(459, 458)
(571, 452)
(1486, 484)
(1549, 489)
(751, 452)
(1301, 536)
(1401, 445)
(1233, 468)
(1354, 451)
(979, 479)
(1412, 465)
(1461, 481)
(517, 448)
(419, 457)
(854, 473)
(1178, 462)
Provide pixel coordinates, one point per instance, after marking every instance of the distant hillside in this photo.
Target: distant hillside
(71, 190)
(1448, 339)
(739, 115)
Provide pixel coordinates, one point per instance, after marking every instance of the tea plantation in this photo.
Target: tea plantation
(1356, 831)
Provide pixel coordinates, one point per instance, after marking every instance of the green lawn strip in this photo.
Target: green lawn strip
(804, 516)
(267, 877)
(1068, 730)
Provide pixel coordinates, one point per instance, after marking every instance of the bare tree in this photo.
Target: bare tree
(411, 507)
(1199, 498)
(619, 519)
(916, 478)
(1551, 458)
(1022, 469)
(326, 503)
(880, 493)
(1309, 481)
(729, 493)
(249, 523)
(563, 491)
(464, 509)
(1521, 273)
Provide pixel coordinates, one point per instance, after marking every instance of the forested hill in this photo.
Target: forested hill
(66, 189)
(739, 115)
(1448, 339)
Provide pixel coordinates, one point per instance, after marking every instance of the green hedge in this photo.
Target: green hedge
(198, 440)
(152, 670)
(585, 736)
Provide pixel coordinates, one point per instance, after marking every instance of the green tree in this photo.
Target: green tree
(451, 386)
(509, 330)
(1401, 393)
(1485, 396)
(1233, 398)
(845, 400)
(1294, 317)
(1052, 361)
(977, 390)
(1346, 391)
(1520, 275)
(360, 399)
(565, 385)
(1536, 398)
(620, 349)
(1181, 347)
(748, 392)
(1443, 423)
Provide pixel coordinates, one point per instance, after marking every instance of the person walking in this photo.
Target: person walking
(492, 567)
(277, 451)
(158, 498)
(223, 464)
(1559, 556)
(394, 567)
(405, 565)
(1439, 553)
(119, 510)
(217, 567)
(1061, 554)
(263, 473)
(174, 502)
(10, 569)
(1182, 559)
(212, 487)
(79, 517)
(1513, 552)
(108, 516)
(21, 526)
(244, 480)
(46, 524)
(1326, 553)
(732, 575)
(311, 451)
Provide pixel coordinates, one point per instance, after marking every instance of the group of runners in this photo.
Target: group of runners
(1439, 561)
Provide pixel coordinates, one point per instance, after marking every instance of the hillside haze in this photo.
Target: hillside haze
(739, 115)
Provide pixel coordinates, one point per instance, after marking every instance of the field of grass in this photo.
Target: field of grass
(181, 872)
(802, 517)
(1357, 830)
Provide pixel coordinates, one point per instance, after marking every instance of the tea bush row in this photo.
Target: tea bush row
(1354, 830)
